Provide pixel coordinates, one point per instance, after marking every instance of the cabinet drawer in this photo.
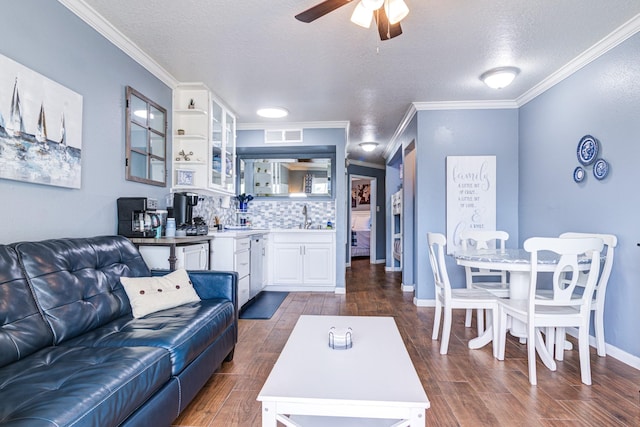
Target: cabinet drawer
(243, 291)
(242, 263)
(304, 237)
(243, 244)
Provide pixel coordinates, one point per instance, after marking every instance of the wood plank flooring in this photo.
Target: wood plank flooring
(465, 387)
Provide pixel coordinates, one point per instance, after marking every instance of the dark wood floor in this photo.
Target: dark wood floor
(465, 387)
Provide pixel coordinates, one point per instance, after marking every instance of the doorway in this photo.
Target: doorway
(362, 218)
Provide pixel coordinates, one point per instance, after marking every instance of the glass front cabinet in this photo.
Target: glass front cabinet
(204, 141)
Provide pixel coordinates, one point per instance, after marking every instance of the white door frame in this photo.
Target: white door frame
(373, 182)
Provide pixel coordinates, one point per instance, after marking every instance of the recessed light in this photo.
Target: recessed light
(272, 112)
(500, 77)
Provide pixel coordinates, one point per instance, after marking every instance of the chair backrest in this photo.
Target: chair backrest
(437, 243)
(610, 242)
(574, 254)
(483, 239)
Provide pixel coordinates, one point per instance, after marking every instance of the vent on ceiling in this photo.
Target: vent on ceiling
(279, 136)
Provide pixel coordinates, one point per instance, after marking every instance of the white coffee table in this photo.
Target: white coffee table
(374, 379)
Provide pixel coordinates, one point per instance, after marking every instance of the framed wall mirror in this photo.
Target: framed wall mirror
(146, 140)
(294, 174)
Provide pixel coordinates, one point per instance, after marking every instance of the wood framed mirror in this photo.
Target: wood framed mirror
(146, 140)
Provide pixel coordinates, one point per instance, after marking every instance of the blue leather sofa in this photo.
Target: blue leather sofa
(72, 354)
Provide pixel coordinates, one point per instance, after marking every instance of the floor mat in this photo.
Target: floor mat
(263, 305)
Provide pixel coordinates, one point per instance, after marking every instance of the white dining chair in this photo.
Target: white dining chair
(597, 304)
(448, 299)
(563, 310)
(492, 280)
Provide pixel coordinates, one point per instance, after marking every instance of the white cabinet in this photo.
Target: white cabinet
(204, 134)
(302, 260)
(189, 257)
(232, 254)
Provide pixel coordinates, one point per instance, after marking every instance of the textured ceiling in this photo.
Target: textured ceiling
(253, 53)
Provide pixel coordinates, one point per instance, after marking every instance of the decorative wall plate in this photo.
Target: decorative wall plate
(600, 169)
(579, 174)
(588, 148)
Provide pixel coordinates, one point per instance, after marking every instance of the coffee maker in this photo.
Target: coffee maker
(183, 204)
(137, 217)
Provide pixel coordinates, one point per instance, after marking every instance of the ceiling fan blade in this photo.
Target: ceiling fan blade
(320, 10)
(385, 29)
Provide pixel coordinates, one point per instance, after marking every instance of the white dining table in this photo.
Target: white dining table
(517, 262)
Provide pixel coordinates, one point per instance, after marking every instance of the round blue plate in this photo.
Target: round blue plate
(579, 174)
(588, 148)
(601, 169)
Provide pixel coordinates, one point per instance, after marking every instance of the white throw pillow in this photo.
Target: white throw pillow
(151, 294)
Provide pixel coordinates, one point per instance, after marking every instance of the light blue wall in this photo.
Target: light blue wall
(603, 100)
(316, 137)
(382, 213)
(46, 37)
(459, 133)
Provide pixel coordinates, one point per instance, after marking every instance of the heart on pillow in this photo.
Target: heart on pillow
(150, 294)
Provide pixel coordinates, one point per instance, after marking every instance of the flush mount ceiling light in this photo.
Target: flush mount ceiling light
(387, 14)
(500, 77)
(272, 112)
(368, 146)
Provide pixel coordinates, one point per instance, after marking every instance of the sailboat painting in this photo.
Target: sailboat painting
(40, 128)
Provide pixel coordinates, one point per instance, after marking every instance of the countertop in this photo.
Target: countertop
(253, 231)
(168, 241)
(181, 241)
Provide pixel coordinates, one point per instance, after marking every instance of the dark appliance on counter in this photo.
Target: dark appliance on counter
(137, 217)
(183, 204)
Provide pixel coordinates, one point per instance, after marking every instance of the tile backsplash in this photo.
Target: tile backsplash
(267, 214)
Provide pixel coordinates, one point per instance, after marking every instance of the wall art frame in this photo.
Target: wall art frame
(40, 128)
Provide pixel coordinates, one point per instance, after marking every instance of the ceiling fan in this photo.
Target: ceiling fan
(387, 14)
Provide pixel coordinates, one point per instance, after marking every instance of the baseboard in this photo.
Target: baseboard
(341, 291)
(291, 288)
(615, 352)
(380, 261)
(407, 288)
(392, 269)
(424, 302)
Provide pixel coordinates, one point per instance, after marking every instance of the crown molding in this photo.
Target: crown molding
(102, 26)
(394, 143)
(619, 35)
(465, 105)
(294, 125)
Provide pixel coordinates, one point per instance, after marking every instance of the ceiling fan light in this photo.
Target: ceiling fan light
(397, 10)
(372, 4)
(368, 146)
(500, 77)
(362, 15)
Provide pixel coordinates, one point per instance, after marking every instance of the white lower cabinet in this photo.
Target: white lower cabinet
(302, 259)
(232, 254)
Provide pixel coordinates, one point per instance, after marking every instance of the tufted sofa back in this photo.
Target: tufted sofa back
(76, 282)
(22, 326)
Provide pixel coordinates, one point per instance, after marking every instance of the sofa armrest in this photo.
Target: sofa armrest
(211, 284)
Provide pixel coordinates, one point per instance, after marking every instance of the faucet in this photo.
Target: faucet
(307, 221)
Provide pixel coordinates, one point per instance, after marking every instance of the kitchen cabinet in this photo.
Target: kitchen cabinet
(232, 253)
(204, 134)
(189, 257)
(302, 260)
